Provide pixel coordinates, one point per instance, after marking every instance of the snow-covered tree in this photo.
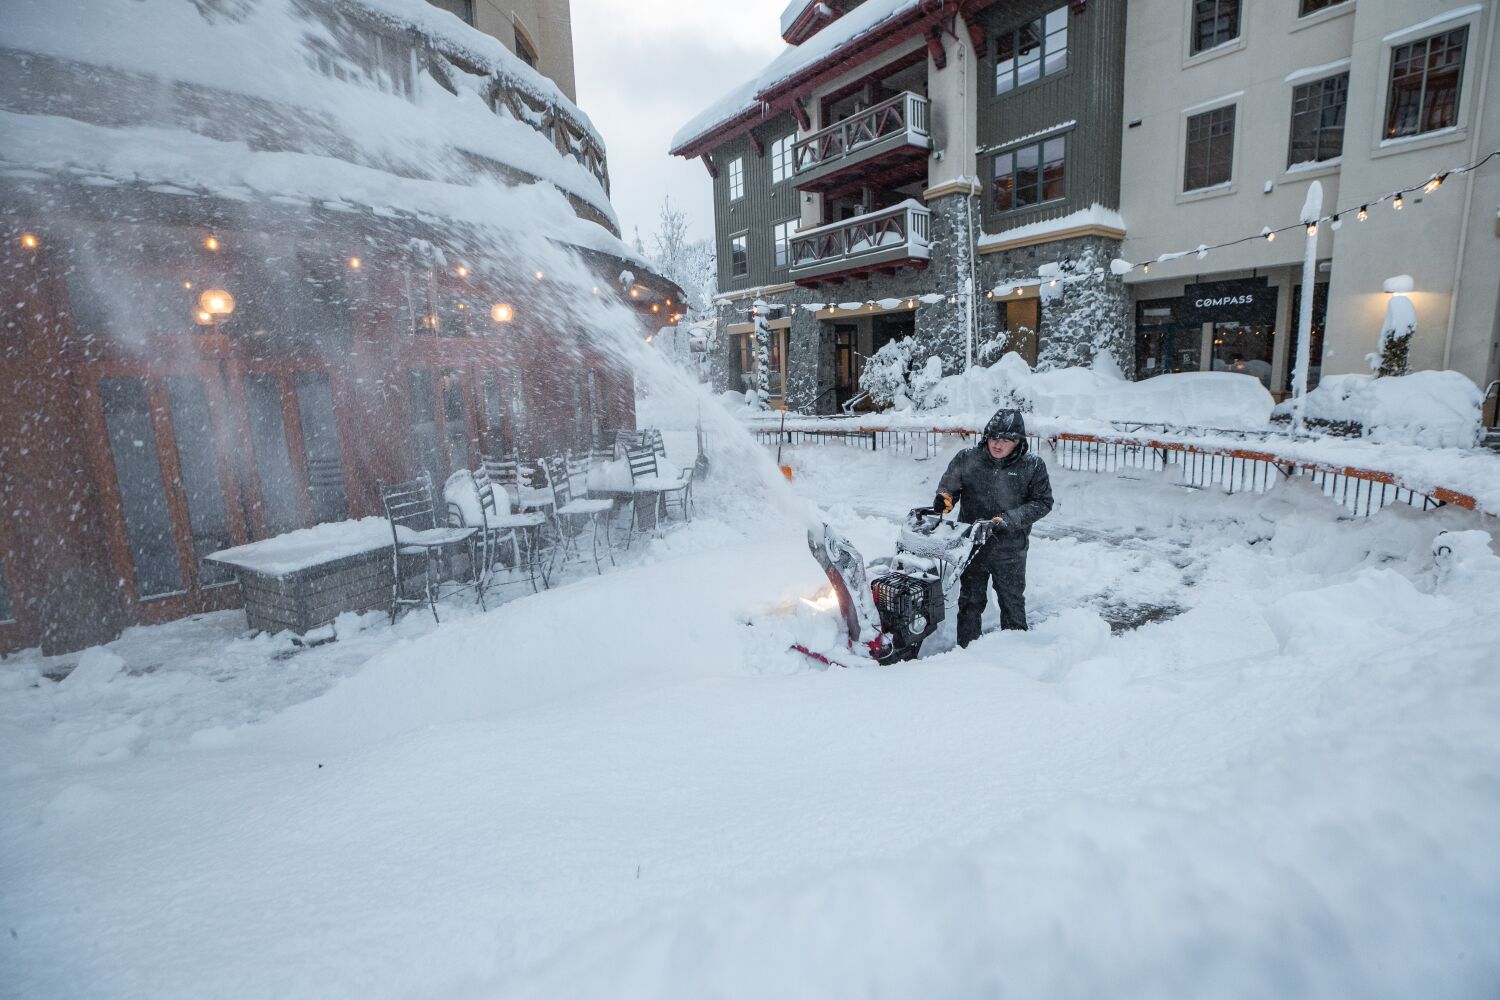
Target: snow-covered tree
(689, 263)
(762, 339)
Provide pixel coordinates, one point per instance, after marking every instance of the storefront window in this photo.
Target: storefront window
(1163, 342)
(143, 500)
(455, 418)
(1020, 320)
(1315, 355)
(273, 463)
(320, 439)
(1244, 348)
(201, 487)
(424, 424)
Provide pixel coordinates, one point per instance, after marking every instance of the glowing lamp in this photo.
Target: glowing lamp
(217, 303)
(203, 318)
(539, 276)
(502, 312)
(355, 263)
(1398, 204)
(656, 308)
(461, 271)
(1364, 213)
(29, 241)
(635, 293)
(212, 243)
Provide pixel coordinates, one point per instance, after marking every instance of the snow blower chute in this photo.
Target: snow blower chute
(895, 602)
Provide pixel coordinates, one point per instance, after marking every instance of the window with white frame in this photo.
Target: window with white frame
(736, 178)
(1318, 120)
(739, 256)
(1215, 22)
(781, 158)
(1313, 6)
(783, 235)
(1030, 51)
(1209, 157)
(1425, 76)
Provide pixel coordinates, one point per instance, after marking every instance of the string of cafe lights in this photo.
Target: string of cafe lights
(1064, 272)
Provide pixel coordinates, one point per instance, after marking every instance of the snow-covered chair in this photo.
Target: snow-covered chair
(417, 531)
(500, 529)
(574, 514)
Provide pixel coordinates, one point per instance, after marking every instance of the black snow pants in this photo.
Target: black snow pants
(1005, 569)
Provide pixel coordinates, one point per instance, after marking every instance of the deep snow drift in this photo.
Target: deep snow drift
(1247, 750)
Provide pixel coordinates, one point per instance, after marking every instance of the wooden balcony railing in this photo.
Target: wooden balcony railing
(884, 238)
(900, 121)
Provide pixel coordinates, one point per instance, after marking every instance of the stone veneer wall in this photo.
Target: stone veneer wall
(1079, 319)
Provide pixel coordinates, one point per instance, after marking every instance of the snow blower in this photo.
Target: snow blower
(891, 605)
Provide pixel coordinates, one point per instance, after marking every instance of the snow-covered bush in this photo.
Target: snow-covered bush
(1429, 408)
(1393, 357)
(887, 375)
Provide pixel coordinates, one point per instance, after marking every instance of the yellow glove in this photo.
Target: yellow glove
(942, 503)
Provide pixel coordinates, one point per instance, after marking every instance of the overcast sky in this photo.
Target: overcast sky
(643, 69)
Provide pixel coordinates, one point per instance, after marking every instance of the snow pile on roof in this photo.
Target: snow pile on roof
(793, 59)
(1094, 215)
(301, 132)
(794, 10)
(1434, 409)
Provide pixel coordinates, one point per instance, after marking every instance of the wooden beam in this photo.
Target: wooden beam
(935, 48)
(756, 145)
(977, 36)
(708, 161)
(799, 112)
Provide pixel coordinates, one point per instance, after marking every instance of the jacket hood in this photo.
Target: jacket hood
(1006, 423)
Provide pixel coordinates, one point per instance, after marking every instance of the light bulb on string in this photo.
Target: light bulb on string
(1434, 183)
(1399, 203)
(1270, 236)
(1364, 213)
(1312, 229)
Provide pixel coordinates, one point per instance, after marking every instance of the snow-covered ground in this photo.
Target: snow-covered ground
(1247, 750)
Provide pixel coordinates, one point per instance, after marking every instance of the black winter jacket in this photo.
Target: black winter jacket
(1016, 486)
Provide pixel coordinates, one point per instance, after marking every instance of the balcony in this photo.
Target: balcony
(884, 240)
(884, 145)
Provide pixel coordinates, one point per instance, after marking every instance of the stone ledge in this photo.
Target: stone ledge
(1109, 232)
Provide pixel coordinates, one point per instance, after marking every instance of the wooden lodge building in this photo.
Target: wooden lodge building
(226, 317)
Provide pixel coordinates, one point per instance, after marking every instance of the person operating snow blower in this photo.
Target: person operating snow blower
(999, 480)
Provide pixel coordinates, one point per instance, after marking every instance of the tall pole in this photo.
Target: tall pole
(1311, 209)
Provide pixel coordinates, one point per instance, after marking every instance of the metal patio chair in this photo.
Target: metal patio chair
(519, 532)
(418, 535)
(576, 513)
(646, 487)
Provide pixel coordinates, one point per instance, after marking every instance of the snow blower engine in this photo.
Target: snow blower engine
(891, 605)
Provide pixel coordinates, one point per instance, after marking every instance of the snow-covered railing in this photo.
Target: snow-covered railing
(900, 121)
(1360, 491)
(886, 237)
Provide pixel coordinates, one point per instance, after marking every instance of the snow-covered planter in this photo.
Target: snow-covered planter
(1434, 409)
(1400, 324)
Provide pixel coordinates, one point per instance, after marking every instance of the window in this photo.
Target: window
(1021, 319)
(1313, 6)
(462, 9)
(1318, 120)
(199, 466)
(739, 257)
(1424, 84)
(1029, 175)
(1035, 49)
(143, 499)
(424, 424)
(1214, 23)
(1210, 149)
(320, 442)
(273, 462)
(736, 178)
(524, 50)
(781, 158)
(783, 234)
(456, 419)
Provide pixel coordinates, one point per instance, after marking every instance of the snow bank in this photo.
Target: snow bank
(1433, 409)
(1094, 215)
(1224, 400)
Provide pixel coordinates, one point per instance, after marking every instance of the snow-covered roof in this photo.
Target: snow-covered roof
(794, 60)
(1094, 215)
(265, 99)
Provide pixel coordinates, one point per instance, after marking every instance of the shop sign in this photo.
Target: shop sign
(1243, 300)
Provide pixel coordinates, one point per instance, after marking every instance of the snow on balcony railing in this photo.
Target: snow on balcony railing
(903, 115)
(900, 232)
